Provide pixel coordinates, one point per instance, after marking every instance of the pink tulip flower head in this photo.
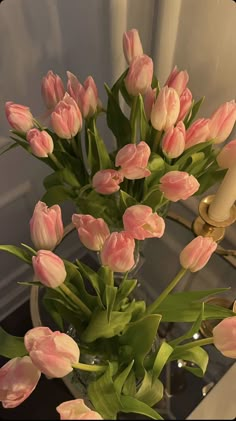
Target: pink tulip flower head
(76, 410)
(178, 80)
(86, 95)
(18, 379)
(53, 353)
(92, 231)
(46, 227)
(118, 252)
(19, 117)
(66, 119)
(173, 142)
(107, 181)
(165, 110)
(197, 253)
(227, 155)
(132, 45)
(49, 268)
(222, 122)
(133, 160)
(185, 104)
(139, 77)
(52, 89)
(178, 185)
(41, 142)
(224, 335)
(141, 223)
(198, 132)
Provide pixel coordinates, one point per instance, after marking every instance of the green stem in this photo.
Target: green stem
(156, 141)
(200, 342)
(55, 161)
(88, 367)
(75, 299)
(153, 307)
(133, 120)
(75, 147)
(38, 124)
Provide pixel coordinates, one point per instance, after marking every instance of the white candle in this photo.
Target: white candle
(219, 209)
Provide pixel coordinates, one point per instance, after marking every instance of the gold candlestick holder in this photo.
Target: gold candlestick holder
(208, 227)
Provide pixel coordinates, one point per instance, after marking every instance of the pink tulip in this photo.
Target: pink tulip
(53, 353)
(18, 379)
(227, 155)
(185, 104)
(165, 109)
(46, 226)
(222, 122)
(149, 100)
(141, 223)
(178, 185)
(173, 142)
(198, 132)
(139, 77)
(73, 86)
(49, 269)
(85, 96)
(107, 181)
(133, 160)
(92, 232)
(118, 252)
(178, 80)
(224, 335)
(77, 410)
(52, 89)
(197, 253)
(132, 45)
(19, 117)
(41, 142)
(66, 119)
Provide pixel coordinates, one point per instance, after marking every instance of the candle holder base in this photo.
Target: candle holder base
(200, 227)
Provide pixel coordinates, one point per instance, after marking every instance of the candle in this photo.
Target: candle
(219, 209)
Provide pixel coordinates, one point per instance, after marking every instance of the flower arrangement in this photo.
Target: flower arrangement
(161, 155)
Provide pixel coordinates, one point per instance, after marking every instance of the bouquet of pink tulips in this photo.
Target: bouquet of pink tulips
(162, 155)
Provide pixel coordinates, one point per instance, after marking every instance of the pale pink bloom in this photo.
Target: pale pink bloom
(148, 101)
(92, 231)
(197, 253)
(141, 223)
(53, 353)
(73, 86)
(66, 119)
(41, 142)
(18, 379)
(178, 79)
(46, 226)
(118, 252)
(133, 160)
(227, 155)
(49, 268)
(77, 410)
(165, 110)
(222, 122)
(139, 77)
(178, 185)
(224, 335)
(86, 95)
(107, 181)
(173, 142)
(19, 116)
(185, 104)
(52, 89)
(132, 45)
(198, 132)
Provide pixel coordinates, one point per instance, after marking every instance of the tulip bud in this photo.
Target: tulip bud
(139, 77)
(107, 181)
(66, 119)
(92, 232)
(197, 253)
(178, 185)
(88, 98)
(165, 109)
(52, 89)
(224, 335)
(46, 226)
(141, 223)
(198, 132)
(173, 142)
(49, 269)
(132, 46)
(227, 155)
(133, 160)
(178, 80)
(73, 86)
(222, 122)
(41, 142)
(118, 252)
(76, 410)
(18, 379)
(53, 353)
(149, 100)
(19, 117)
(185, 104)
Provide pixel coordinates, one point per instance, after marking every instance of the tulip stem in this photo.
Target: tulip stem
(133, 120)
(76, 300)
(75, 147)
(156, 141)
(88, 367)
(154, 306)
(200, 342)
(55, 161)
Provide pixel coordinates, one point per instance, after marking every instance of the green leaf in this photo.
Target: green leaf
(110, 297)
(209, 179)
(130, 404)
(103, 155)
(200, 147)
(126, 287)
(193, 112)
(92, 277)
(151, 390)
(8, 148)
(122, 377)
(75, 281)
(129, 388)
(194, 329)
(144, 126)
(24, 255)
(189, 312)
(11, 346)
(126, 200)
(197, 356)
(56, 195)
(100, 206)
(60, 177)
(153, 198)
(161, 358)
(25, 145)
